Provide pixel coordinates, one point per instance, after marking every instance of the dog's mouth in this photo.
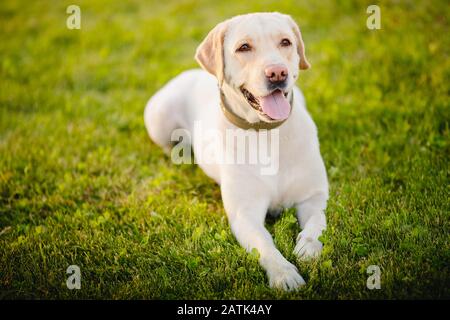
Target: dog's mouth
(274, 106)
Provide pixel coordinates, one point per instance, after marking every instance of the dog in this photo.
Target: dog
(250, 65)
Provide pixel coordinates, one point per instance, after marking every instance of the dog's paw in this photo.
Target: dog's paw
(307, 247)
(285, 277)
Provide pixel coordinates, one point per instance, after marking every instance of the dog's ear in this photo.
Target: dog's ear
(304, 64)
(209, 53)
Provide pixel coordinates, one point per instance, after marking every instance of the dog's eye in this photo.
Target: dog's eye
(285, 43)
(244, 47)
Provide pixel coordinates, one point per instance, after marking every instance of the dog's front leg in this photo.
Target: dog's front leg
(247, 224)
(312, 220)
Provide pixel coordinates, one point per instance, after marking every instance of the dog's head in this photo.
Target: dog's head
(259, 55)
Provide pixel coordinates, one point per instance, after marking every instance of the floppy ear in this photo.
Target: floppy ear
(304, 64)
(209, 53)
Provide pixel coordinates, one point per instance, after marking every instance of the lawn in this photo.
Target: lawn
(82, 184)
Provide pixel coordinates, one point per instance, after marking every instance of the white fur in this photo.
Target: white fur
(247, 195)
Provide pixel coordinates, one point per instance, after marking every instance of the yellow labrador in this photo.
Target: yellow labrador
(251, 63)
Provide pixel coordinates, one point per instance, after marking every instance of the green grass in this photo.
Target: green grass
(81, 183)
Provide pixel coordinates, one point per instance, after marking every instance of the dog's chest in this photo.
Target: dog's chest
(295, 176)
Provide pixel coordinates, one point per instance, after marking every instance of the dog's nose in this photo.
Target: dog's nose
(276, 72)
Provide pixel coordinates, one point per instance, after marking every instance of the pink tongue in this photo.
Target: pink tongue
(275, 105)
